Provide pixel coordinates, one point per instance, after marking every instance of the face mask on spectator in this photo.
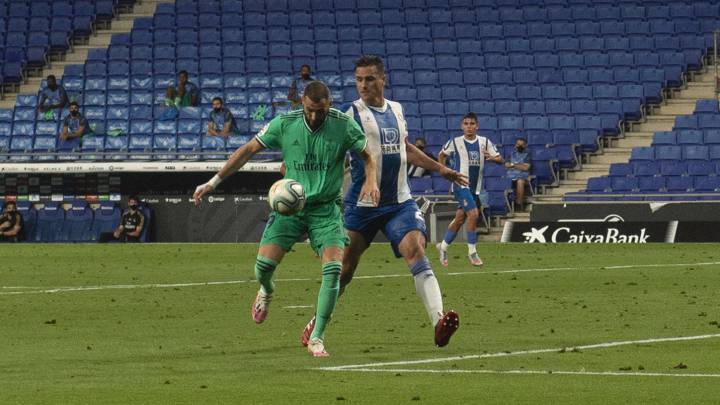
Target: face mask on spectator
(217, 109)
(74, 113)
(132, 206)
(520, 148)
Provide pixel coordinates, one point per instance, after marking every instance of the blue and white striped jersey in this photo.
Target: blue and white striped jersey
(469, 158)
(386, 132)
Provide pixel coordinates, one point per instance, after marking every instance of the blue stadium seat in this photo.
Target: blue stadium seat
(690, 137)
(106, 219)
(78, 223)
(29, 214)
(679, 184)
(599, 185)
(707, 184)
(651, 184)
(668, 152)
(673, 168)
(695, 152)
(621, 170)
(50, 221)
(646, 168)
(623, 184)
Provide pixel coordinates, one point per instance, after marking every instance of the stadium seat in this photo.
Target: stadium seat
(78, 223)
(29, 215)
(50, 221)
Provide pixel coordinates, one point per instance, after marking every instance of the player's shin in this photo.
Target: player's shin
(264, 269)
(448, 239)
(471, 241)
(327, 297)
(428, 289)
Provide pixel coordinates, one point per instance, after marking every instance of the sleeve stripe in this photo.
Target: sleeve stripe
(364, 145)
(257, 137)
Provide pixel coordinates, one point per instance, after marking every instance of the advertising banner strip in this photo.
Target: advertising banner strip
(137, 167)
(590, 232)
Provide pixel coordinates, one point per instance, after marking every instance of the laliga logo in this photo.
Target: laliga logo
(535, 235)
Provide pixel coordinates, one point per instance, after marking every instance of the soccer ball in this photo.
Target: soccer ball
(286, 197)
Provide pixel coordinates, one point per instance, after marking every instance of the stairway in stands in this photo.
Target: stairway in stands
(122, 23)
(662, 118)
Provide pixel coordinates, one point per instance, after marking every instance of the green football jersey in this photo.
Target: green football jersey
(315, 159)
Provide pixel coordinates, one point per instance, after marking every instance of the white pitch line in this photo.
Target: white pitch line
(520, 352)
(51, 290)
(540, 372)
(630, 266)
(297, 306)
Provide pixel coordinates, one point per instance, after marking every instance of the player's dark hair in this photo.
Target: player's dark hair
(72, 103)
(370, 60)
(521, 139)
(50, 77)
(470, 116)
(317, 91)
(133, 197)
(218, 99)
(183, 72)
(305, 66)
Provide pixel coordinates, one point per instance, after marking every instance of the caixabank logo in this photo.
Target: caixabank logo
(590, 232)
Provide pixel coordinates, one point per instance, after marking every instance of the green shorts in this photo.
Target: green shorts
(322, 223)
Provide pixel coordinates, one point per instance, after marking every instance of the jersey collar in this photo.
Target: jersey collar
(377, 109)
(477, 137)
(319, 128)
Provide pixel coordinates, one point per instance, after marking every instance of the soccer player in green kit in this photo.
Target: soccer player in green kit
(314, 142)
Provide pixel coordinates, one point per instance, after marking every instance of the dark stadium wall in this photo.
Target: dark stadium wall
(220, 218)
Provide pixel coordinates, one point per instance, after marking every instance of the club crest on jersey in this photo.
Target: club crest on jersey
(474, 157)
(391, 140)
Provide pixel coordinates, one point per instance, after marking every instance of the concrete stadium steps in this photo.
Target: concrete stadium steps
(662, 118)
(77, 54)
(659, 118)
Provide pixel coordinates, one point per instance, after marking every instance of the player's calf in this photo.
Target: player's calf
(264, 269)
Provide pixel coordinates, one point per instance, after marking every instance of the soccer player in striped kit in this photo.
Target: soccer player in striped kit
(397, 215)
(471, 151)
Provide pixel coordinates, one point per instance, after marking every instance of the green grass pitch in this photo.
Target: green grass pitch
(92, 324)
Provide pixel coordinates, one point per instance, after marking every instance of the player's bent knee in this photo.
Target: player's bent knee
(333, 254)
(272, 251)
(412, 247)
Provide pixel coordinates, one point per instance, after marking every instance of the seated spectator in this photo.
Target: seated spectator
(297, 88)
(184, 95)
(52, 98)
(221, 121)
(416, 171)
(518, 170)
(11, 224)
(131, 225)
(74, 125)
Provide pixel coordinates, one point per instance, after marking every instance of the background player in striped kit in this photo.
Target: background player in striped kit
(471, 151)
(397, 215)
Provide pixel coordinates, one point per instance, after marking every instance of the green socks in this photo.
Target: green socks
(327, 297)
(264, 269)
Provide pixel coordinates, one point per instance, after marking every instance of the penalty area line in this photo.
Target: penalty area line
(521, 352)
(51, 290)
(533, 372)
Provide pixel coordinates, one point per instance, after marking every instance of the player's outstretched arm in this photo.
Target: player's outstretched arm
(418, 158)
(236, 162)
(369, 190)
